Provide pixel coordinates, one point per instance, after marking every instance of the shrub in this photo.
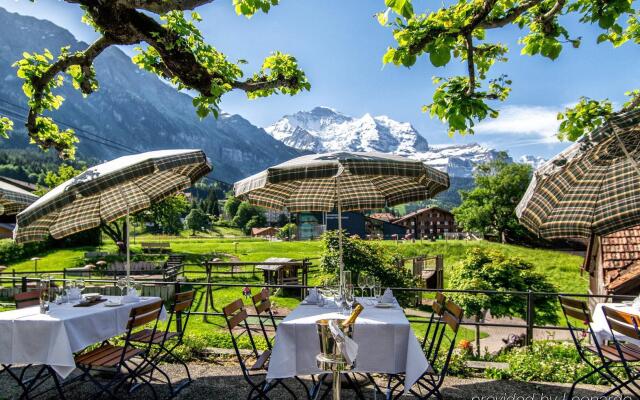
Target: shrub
(288, 231)
(544, 361)
(11, 252)
(369, 257)
(493, 270)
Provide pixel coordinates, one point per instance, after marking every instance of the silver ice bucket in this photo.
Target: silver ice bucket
(330, 357)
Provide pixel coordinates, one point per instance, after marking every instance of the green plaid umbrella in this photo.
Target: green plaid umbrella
(110, 191)
(14, 199)
(342, 180)
(593, 187)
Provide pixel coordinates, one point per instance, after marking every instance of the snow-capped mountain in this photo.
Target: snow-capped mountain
(535, 161)
(324, 129)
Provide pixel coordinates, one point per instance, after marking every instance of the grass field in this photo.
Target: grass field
(561, 268)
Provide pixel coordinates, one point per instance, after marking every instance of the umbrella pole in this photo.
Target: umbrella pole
(340, 259)
(127, 239)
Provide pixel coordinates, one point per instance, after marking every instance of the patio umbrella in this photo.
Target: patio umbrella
(14, 199)
(109, 191)
(343, 181)
(593, 187)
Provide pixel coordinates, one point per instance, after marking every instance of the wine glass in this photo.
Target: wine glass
(362, 283)
(121, 284)
(80, 285)
(349, 297)
(371, 283)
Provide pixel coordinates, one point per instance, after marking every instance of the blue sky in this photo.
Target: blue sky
(339, 44)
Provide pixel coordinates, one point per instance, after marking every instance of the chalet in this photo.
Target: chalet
(268, 231)
(613, 264)
(312, 224)
(428, 222)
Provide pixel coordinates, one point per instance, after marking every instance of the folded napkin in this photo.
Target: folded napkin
(348, 347)
(131, 296)
(387, 296)
(313, 296)
(74, 293)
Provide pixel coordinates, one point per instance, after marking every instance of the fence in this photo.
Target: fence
(23, 283)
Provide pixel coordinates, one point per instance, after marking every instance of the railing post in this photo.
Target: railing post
(176, 290)
(64, 273)
(530, 315)
(24, 284)
(13, 276)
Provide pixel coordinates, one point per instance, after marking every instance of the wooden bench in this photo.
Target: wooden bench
(155, 247)
(172, 267)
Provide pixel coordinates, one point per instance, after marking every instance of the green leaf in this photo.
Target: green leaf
(401, 7)
(440, 56)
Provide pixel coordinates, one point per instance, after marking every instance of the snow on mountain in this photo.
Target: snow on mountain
(324, 129)
(535, 161)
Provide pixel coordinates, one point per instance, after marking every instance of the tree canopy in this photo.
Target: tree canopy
(489, 207)
(459, 31)
(169, 44)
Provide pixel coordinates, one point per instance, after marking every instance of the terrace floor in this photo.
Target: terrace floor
(224, 381)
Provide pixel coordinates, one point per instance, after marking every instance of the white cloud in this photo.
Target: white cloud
(538, 123)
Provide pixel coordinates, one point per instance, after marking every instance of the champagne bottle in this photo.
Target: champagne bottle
(354, 314)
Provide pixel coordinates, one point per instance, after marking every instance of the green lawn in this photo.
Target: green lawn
(563, 269)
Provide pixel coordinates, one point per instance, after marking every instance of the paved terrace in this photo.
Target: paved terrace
(224, 381)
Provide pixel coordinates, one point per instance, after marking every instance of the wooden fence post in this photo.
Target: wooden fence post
(24, 283)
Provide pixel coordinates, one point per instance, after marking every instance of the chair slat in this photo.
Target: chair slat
(574, 303)
(183, 305)
(454, 309)
(238, 318)
(451, 320)
(184, 296)
(263, 306)
(232, 307)
(577, 313)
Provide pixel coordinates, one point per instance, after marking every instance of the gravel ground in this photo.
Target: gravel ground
(224, 381)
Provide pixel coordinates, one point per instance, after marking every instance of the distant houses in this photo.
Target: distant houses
(429, 222)
(267, 232)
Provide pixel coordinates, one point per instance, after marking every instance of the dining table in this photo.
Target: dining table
(386, 342)
(599, 324)
(30, 337)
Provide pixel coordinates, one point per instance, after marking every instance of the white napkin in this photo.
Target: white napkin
(313, 296)
(131, 296)
(387, 296)
(348, 347)
(75, 293)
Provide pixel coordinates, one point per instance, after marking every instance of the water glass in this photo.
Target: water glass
(80, 285)
(121, 283)
(349, 297)
(45, 287)
(371, 283)
(377, 288)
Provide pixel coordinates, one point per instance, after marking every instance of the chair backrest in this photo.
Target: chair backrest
(434, 320)
(236, 317)
(27, 299)
(443, 339)
(181, 311)
(262, 304)
(576, 312)
(622, 323)
(145, 314)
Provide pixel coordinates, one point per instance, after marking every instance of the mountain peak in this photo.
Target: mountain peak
(325, 129)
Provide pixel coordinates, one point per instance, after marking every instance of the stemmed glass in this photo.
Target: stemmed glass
(377, 288)
(80, 285)
(349, 297)
(362, 283)
(122, 284)
(371, 283)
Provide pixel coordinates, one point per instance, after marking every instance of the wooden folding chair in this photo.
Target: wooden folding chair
(440, 341)
(262, 305)
(167, 340)
(622, 323)
(579, 320)
(122, 359)
(236, 317)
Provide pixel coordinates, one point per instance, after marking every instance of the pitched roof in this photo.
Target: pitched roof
(260, 231)
(422, 210)
(620, 252)
(383, 216)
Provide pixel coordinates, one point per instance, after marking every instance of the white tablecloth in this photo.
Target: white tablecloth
(28, 337)
(386, 343)
(600, 326)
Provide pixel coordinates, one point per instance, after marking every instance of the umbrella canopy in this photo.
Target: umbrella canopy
(14, 199)
(593, 187)
(110, 191)
(360, 181)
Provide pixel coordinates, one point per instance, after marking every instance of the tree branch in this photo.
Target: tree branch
(164, 6)
(470, 64)
(510, 16)
(553, 11)
(83, 58)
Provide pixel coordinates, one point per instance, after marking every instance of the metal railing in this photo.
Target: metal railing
(528, 326)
